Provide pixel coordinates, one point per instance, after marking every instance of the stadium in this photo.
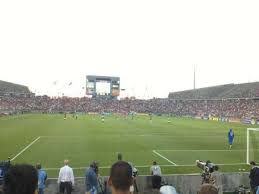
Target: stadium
(129, 97)
(175, 131)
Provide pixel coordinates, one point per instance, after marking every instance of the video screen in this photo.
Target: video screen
(103, 88)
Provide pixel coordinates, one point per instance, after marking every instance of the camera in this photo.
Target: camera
(4, 167)
(207, 168)
(134, 172)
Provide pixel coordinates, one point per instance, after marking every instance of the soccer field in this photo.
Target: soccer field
(49, 139)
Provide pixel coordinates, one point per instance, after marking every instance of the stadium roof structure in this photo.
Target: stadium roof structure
(8, 87)
(244, 90)
(93, 77)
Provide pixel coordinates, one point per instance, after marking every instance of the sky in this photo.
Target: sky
(152, 45)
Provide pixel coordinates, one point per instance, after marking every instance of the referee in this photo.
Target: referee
(66, 179)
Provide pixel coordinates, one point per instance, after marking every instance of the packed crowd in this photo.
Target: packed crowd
(230, 108)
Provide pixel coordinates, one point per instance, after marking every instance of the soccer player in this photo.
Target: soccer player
(150, 117)
(230, 138)
(102, 117)
(65, 116)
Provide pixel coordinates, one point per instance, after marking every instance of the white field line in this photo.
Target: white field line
(155, 152)
(170, 135)
(25, 148)
(148, 166)
(229, 150)
(141, 135)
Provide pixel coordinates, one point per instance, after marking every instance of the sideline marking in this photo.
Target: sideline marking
(25, 148)
(229, 150)
(148, 166)
(154, 151)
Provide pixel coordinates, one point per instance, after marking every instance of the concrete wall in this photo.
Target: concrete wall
(184, 184)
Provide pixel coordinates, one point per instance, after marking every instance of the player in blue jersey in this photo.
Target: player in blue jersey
(230, 138)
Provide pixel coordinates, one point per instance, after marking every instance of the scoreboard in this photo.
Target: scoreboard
(102, 86)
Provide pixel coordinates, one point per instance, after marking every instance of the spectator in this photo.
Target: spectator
(156, 175)
(254, 177)
(167, 189)
(134, 175)
(91, 180)
(66, 178)
(216, 179)
(208, 189)
(42, 177)
(120, 178)
(21, 179)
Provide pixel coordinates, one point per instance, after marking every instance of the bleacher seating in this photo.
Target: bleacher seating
(247, 90)
(7, 88)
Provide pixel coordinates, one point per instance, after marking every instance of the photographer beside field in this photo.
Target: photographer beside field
(208, 189)
(216, 179)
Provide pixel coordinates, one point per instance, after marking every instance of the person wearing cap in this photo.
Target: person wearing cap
(156, 175)
(66, 178)
(91, 179)
(42, 177)
(254, 177)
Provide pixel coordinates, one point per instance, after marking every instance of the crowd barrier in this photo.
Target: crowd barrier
(184, 184)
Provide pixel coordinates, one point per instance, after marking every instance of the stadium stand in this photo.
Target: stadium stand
(246, 90)
(11, 89)
(230, 108)
(240, 105)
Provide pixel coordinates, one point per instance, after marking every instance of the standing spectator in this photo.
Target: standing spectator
(254, 177)
(216, 179)
(120, 178)
(156, 175)
(21, 179)
(91, 180)
(134, 176)
(66, 179)
(42, 177)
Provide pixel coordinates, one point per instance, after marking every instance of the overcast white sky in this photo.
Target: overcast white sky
(151, 45)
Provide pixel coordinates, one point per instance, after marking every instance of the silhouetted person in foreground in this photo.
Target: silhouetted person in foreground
(120, 178)
(21, 179)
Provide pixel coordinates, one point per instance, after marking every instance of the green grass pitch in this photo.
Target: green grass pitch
(49, 139)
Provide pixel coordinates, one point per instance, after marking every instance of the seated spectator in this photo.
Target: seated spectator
(120, 178)
(21, 179)
(156, 175)
(208, 189)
